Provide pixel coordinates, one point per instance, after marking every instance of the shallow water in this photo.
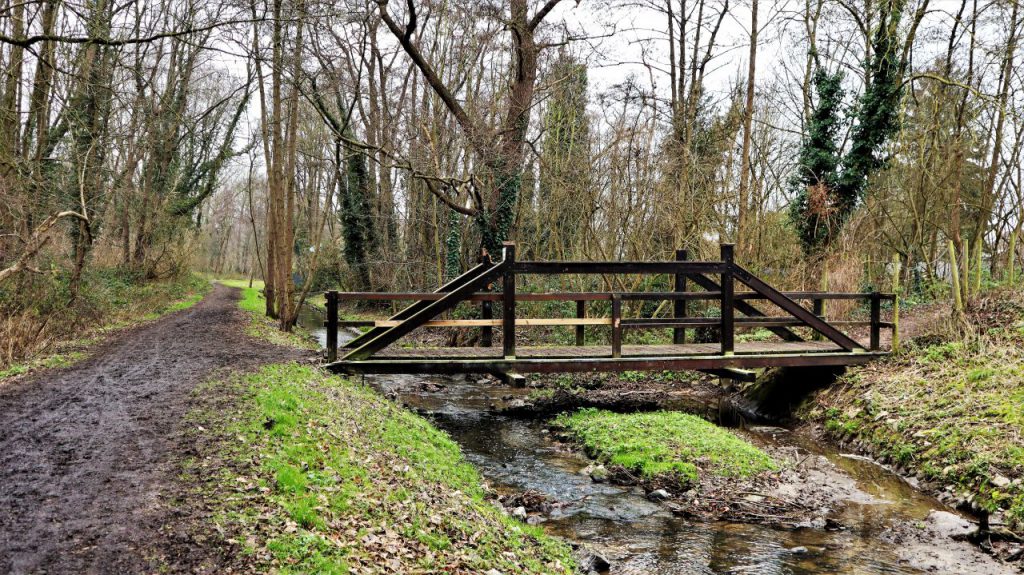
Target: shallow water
(643, 537)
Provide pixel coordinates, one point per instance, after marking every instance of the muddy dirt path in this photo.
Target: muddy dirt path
(88, 454)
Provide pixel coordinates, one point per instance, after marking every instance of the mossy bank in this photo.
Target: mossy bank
(311, 473)
(948, 409)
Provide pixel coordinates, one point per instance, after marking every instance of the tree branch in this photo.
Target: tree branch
(543, 12)
(39, 239)
(30, 40)
(453, 105)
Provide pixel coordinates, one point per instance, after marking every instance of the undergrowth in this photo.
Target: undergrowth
(665, 443)
(326, 476)
(43, 330)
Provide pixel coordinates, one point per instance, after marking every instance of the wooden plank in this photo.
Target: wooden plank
(581, 313)
(690, 349)
(616, 326)
(520, 322)
(876, 315)
(487, 333)
(728, 313)
(679, 305)
(631, 323)
(670, 296)
(603, 296)
(332, 325)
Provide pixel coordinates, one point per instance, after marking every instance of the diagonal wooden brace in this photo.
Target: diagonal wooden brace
(426, 313)
(409, 311)
(796, 310)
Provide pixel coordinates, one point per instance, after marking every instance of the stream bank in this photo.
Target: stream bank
(888, 526)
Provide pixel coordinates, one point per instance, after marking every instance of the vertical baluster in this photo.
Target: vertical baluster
(581, 312)
(819, 310)
(876, 315)
(486, 312)
(332, 325)
(679, 306)
(616, 325)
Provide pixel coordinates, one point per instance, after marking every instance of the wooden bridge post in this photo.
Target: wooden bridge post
(332, 325)
(486, 312)
(581, 312)
(486, 332)
(818, 308)
(876, 320)
(508, 301)
(728, 312)
(616, 325)
(679, 306)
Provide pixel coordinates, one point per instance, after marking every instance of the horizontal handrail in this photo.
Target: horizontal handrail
(686, 267)
(637, 323)
(607, 296)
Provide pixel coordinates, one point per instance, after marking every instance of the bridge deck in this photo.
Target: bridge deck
(693, 356)
(551, 352)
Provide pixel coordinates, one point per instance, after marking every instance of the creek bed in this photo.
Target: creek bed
(640, 536)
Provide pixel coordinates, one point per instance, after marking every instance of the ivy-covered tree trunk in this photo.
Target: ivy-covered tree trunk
(356, 220)
(453, 247)
(829, 186)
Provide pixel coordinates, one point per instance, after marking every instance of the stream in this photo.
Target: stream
(639, 536)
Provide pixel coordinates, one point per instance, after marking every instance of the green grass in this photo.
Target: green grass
(48, 362)
(260, 326)
(325, 476)
(665, 443)
(952, 411)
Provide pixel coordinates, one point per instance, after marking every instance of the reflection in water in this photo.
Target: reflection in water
(640, 536)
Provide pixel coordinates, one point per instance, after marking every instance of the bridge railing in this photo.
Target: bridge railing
(684, 273)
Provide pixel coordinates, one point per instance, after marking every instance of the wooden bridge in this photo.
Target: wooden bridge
(802, 336)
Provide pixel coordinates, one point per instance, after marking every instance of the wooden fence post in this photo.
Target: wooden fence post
(486, 332)
(616, 325)
(896, 265)
(818, 307)
(508, 301)
(332, 325)
(728, 313)
(581, 312)
(486, 312)
(876, 318)
(679, 306)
